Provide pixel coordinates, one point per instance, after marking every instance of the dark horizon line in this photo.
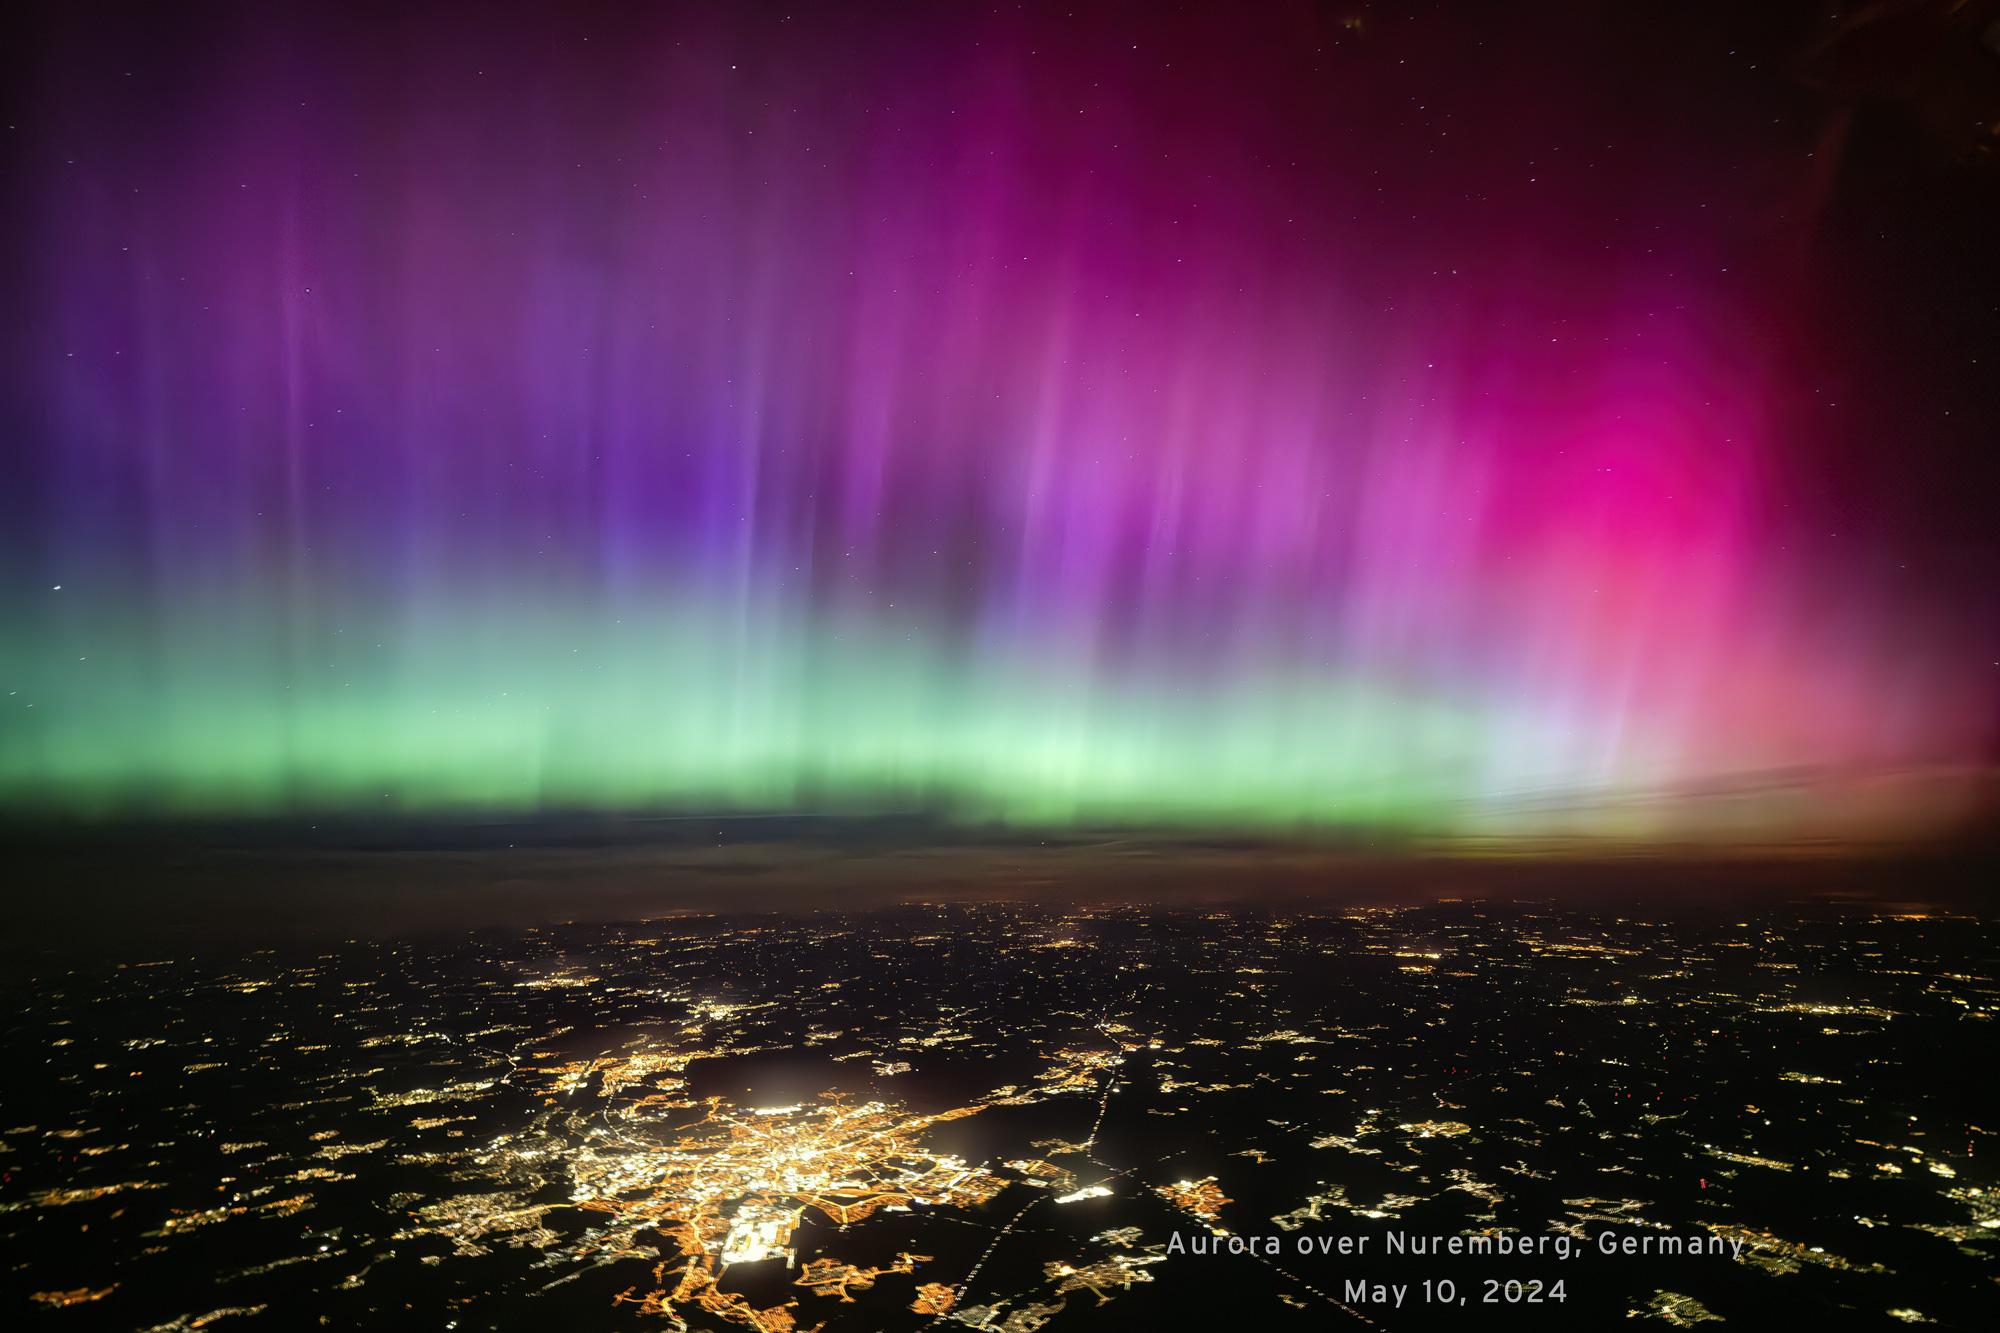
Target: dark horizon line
(557, 828)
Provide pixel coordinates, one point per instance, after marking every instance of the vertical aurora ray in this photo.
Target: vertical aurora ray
(867, 417)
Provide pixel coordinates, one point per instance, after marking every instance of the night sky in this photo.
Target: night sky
(1482, 419)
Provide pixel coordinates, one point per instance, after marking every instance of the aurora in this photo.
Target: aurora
(1000, 419)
